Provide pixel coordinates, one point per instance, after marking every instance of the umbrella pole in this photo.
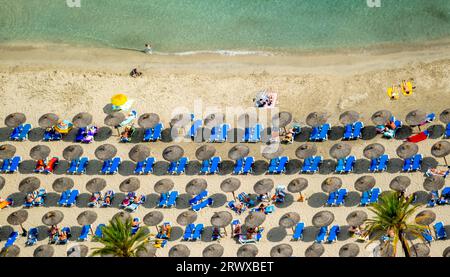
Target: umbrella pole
(225, 229)
(234, 196)
(445, 160)
(157, 230)
(24, 232)
(118, 131)
(90, 228)
(419, 128)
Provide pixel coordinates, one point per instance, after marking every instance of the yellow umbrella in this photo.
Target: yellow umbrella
(63, 126)
(119, 99)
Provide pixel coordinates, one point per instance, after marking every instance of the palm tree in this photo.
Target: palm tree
(118, 242)
(392, 217)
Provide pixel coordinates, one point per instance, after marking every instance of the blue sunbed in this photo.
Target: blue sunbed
(139, 169)
(430, 117)
(314, 133)
(427, 236)
(11, 239)
(64, 196)
(382, 162)
(434, 198)
(214, 168)
(273, 165)
(198, 197)
(72, 198)
(203, 204)
(182, 165)
(341, 194)
(321, 235)
(5, 165)
(171, 201)
(163, 199)
(24, 132)
(298, 233)
(316, 162)
(374, 194)
(106, 166)
(331, 198)
(447, 131)
(149, 162)
(197, 234)
(332, 236)
(306, 167)
(357, 128)
(246, 136)
(73, 166)
(238, 166)
(373, 165)
(446, 192)
(84, 232)
(148, 135)
(416, 162)
(172, 168)
(205, 167)
(157, 131)
(14, 164)
(365, 198)
(99, 231)
(188, 232)
(349, 163)
(323, 135)
(16, 132)
(255, 135)
(82, 165)
(32, 237)
(282, 164)
(348, 132)
(248, 163)
(340, 165)
(115, 165)
(407, 164)
(214, 133)
(193, 130)
(223, 133)
(440, 230)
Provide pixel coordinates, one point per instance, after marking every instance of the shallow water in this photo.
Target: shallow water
(211, 25)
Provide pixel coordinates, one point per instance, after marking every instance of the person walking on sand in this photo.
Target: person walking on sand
(148, 49)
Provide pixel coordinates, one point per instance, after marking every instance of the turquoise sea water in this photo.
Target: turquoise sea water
(194, 25)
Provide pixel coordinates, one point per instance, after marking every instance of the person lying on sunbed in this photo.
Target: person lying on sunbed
(62, 237)
(435, 171)
(107, 200)
(29, 198)
(237, 230)
(239, 207)
(135, 223)
(54, 231)
(40, 166)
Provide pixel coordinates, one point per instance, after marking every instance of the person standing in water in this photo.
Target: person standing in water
(148, 49)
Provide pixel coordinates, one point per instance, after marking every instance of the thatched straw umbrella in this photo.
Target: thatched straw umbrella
(148, 251)
(62, 184)
(400, 183)
(40, 152)
(446, 252)
(148, 120)
(356, 218)
(179, 250)
(95, 185)
(246, 120)
(373, 151)
(331, 184)
(82, 120)
(281, 250)
(2, 182)
(416, 117)
(213, 119)
(122, 216)
(87, 218)
(164, 185)
(180, 120)
(130, 184)
(314, 250)
(434, 183)
(381, 117)
(52, 218)
(306, 150)
(348, 117)
(322, 218)
(316, 119)
(195, 186)
(238, 151)
(45, 250)
(213, 250)
(173, 153)
(349, 250)
(186, 218)
(18, 218)
(114, 119)
(281, 120)
(139, 153)
(77, 250)
(407, 149)
(425, 217)
(105, 152)
(230, 185)
(72, 152)
(153, 218)
(272, 151)
(297, 186)
(263, 186)
(289, 220)
(29, 184)
(221, 220)
(10, 252)
(441, 149)
(419, 250)
(205, 152)
(445, 116)
(365, 183)
(7, 151)
(254, 220)
(340, 150)
(15, 119)
(247, 251)
(48, 120)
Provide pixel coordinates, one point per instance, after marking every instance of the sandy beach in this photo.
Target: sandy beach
(66, 80)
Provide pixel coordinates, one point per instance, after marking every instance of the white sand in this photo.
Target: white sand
(52, 78)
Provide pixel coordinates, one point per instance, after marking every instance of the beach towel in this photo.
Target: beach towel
(418, 137)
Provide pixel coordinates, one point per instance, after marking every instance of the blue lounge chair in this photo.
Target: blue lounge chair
(365, 198)
(24, 132)
(203, 204)
(407, 164)
(115, 165)
(188, 231)
(172, 168)
(14, 164)
(331, 198)
(273, 165)
(73, 166)
(163, 200)
(434, 199)
(197, 234)
(32, 237)
(269, 209)
(341, 194)
(246, 136)
(72, 200)
(84, 232)
(80, 134)
(332, 236)
(148, 135)
(42, 193)
(315, 165)
(349, 163)
(357, 129)
(440, 230)
(214, 133)
(238, 166)
(430, 117)
(11, 239)
(223, 133)
(348, 132)
(171, 201)
(64, 196)
(182, 165)
(245, 198)
(205, 167)
(255, 135)
(84, 161)
(427, 235)
(157, 131)
(340, 166)
(134, 206)
(139, 169)
(198, 197)
(382, 163)
(416, 162)
(5, 165)
(306, 167)
(214, 168)
(134, 229)
(16, 132)
(373, 165)
(314, 134)
(446, 192)
(195, 126)
(106, 166)
(281, 168)
(447, 131)
(321, 235)
(149, 162)
(298, 232)
(323, 135)
(99, 231)
(374, 194)
(248, 163)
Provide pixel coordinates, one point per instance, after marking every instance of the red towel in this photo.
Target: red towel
(419, 137)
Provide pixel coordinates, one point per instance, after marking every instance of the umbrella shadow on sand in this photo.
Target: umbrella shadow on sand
(103, 133)
(76, 232)
(336, 132)
(5, 231)
(344, 234)
(126, 168)
(176, 233)
(422, 197)
(304, 135)
(293, 167)
(183, 201)
(94, 167)
(288, 200)
(118, 198)
(36, 134)
(166, 135)
(83, 200)
(361, 166)
(226, 167)
(42, 232)
(5, 132)
(62, 167)
(276, 234)
(52, 198)
(219, 199)
(427, 163)
(70, 137)
(353, 198)
(328, 166)
(27, 167)
(152, 201)
(160, 168)
(394, 165)
(260, 167)
(403, 132)
(310, 233)
(193, 168)
(368, 132)
(138, 135)
(436, 131)
(18, 198)
(317, 200)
